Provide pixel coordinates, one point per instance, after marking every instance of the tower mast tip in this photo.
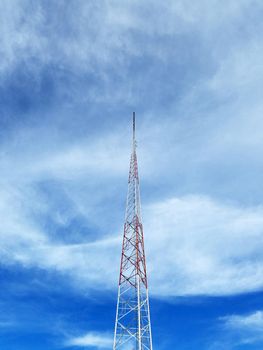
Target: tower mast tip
(133, 124)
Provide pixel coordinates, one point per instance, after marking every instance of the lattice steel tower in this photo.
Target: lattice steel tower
(133, 327)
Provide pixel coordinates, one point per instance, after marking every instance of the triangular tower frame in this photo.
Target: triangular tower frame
(133, 326)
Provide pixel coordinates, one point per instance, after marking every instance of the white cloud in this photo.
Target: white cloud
(200, 246)
(249, 322)
(69, 161)
(194, 246)
(240, 330)
(97, 340)
(102, 33)
(107, 38)
(19, 38)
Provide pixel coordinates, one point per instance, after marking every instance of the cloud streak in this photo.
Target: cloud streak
(251, 322)
(241, 330)
(195, 246)
(94, 340)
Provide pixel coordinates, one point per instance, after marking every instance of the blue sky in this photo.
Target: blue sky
(71, 74)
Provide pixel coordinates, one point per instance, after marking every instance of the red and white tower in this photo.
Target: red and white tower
(133, 326)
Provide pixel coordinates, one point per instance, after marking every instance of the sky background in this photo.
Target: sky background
(71, 74)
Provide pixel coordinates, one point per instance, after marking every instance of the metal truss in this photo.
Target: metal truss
(133, 326)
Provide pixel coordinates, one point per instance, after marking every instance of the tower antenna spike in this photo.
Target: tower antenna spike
(133, 131)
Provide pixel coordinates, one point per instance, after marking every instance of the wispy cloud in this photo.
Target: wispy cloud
(91, 339)
(187, 240)
(241, 330)
(107, 38)
(192, 237)
(249, 322)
